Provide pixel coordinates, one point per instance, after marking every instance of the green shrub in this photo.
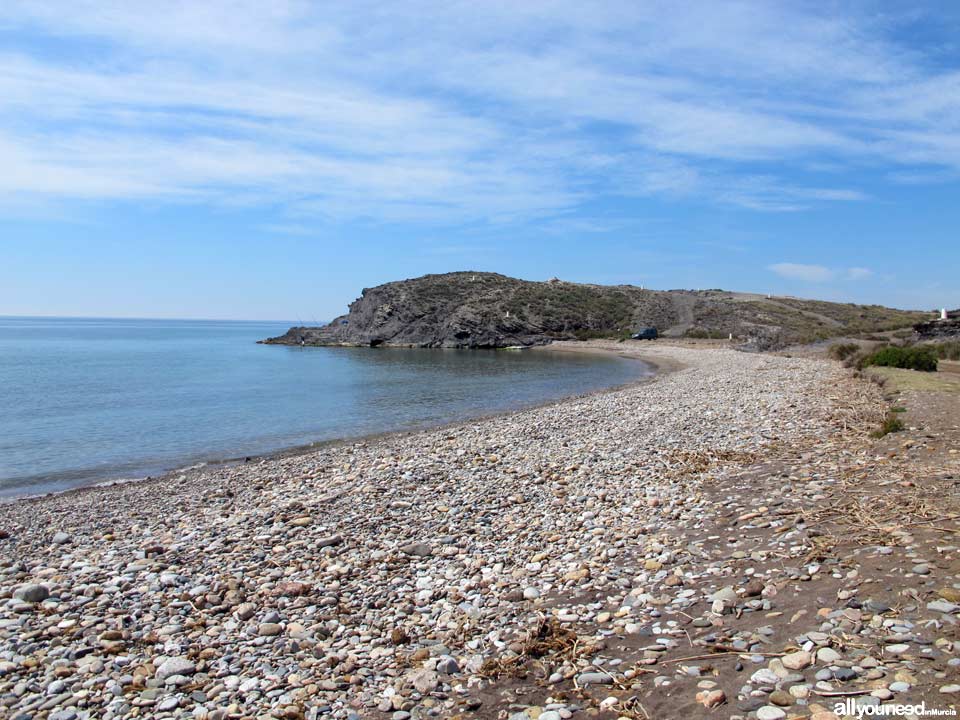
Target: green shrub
(891, 424)
(910, 358)
(841, 351)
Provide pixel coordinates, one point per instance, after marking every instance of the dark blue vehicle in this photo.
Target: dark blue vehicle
(649, 333)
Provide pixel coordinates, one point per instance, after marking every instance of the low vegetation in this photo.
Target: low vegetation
(917, 357)
(891, 424)
(949, 350)
(895, 380)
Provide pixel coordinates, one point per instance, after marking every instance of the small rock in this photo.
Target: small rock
(32, 593)
(447, 665)
(827, 656)
(770, 712)
(708, 698)
(764, 676)
(843, 674)
(781, 698)
(269, 629)
(594, 678)
(424, 681)
(245, 611)
(417, 550)
(949, 594)
(797, 660)
(942, 606)
(175, 666)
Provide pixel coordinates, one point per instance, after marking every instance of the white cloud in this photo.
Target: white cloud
(807, 273)
(462, 111)
(818, 273)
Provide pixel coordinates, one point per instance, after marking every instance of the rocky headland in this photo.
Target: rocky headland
(487, 310)
(724, 541)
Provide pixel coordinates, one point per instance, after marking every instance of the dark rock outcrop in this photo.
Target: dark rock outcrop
(940, 329)
(487, 310)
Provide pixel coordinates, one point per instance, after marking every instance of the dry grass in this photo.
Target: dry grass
(549, 642)
(902, 380)
(873, 515)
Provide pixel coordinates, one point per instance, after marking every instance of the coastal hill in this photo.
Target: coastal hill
(488, 310)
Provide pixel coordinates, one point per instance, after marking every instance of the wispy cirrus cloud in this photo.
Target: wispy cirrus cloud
(799, 271)
(817, 273)
(459, 112)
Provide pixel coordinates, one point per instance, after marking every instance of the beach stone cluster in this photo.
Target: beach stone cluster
(651, 549)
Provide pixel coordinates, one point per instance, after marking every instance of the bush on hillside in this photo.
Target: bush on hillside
(910, 358)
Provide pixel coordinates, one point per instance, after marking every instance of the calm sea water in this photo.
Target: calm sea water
(83, 400)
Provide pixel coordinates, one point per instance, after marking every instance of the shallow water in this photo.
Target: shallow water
(83, 400)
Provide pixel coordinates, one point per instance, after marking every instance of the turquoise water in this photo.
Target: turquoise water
(84, 400)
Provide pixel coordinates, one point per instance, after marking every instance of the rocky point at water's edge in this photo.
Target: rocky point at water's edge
(489, 310)
(724, 541)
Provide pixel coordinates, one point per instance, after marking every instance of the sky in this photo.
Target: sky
(268, 160)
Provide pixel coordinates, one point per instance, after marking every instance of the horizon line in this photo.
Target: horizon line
(140, 317)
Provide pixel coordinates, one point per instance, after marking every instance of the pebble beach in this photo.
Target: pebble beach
(688, 546)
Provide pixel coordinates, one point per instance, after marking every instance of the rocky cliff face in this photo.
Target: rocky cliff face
(487, 310)
(940, 329)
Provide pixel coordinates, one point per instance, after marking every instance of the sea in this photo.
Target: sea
(88, 400)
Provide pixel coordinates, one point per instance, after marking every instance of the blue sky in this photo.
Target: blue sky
(260, 160)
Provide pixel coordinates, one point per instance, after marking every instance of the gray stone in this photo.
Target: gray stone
(175, 666)
(447, 665)
(424, 681)
(765, 677)
(32, 593)
(417, 550)
(168, 703)
(843, 674)
(770, 712)
(828, 655)
(594, 678)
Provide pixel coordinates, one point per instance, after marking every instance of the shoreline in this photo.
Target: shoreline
(197, 467)
(669, 545)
